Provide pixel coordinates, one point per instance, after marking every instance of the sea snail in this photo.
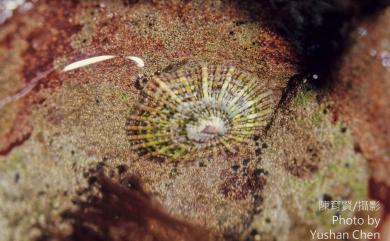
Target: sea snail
(198, 111)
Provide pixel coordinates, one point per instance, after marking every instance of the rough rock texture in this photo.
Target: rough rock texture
(361, 93)
(65, 159)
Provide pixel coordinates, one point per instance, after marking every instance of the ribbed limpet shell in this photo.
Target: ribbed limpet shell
(199, 111)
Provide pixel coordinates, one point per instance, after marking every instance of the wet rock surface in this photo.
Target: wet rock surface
(361, 93)
(66, 166)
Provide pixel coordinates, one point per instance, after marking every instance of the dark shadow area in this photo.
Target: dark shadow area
(319, 30)
(122, 211)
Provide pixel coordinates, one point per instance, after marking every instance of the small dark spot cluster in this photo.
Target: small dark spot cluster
(238, 182)
(300, 167)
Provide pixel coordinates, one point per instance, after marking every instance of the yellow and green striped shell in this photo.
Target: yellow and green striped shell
(199, 111)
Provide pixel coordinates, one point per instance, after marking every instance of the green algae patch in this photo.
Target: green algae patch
(317, 116)
(342, 177)
(303, 97)
(13, 162)
(313, 114)
(340, 136)
(310, 159)
(344, 180)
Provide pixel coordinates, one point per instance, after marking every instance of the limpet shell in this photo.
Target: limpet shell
(196, 112)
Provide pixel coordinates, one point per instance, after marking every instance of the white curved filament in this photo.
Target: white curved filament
(75, 65)
(140, 63)
(85, 62)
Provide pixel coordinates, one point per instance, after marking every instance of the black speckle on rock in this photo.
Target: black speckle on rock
(260, 171)
(254, 232)
(264, 145)
(240, 22)
(258, 202)
(129, 2)
(258, 151)
(343, 129)
(40, 193)
(235, 167)
(259, 199)
(357, 148)
(16, 177)
(100, 165)
(122, 168)
(326, 197)
(92, 180)
(142, 152)
(245, 162)
(132, 182)
(140, 82)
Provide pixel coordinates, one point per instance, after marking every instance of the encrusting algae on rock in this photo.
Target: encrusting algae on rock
(197, 112)
(72, 124)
